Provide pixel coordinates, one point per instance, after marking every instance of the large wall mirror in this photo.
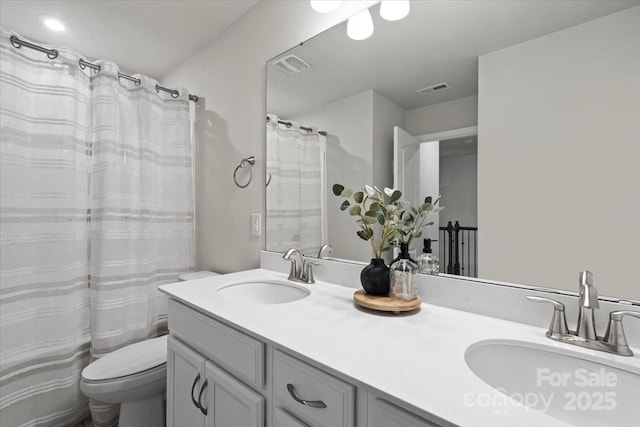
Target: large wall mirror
(523, 115)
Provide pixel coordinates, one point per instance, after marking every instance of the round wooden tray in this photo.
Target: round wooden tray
(383, 303)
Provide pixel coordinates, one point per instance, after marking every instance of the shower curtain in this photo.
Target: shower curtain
(296, 193)
(96, 211)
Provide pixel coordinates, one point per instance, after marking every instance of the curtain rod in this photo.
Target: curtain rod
(53, 54)
(289, 124)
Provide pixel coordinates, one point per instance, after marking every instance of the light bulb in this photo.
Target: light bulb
(360, 25)
(54, 24)
(394, 10)
(324, 6)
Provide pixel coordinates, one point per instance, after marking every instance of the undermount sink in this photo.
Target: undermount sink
(571, 387)
(264, 292)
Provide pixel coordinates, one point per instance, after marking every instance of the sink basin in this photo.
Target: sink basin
(572, 387)
(264, 292)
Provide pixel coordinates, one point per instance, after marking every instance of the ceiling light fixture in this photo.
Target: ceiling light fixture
(394, 10)
(54, 24)
(360, 25)
(324, 6)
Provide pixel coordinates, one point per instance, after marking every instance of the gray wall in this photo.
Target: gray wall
(455, 114)
(559, 148)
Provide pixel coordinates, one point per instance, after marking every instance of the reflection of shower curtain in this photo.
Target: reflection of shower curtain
(96, 211)
(296, 204)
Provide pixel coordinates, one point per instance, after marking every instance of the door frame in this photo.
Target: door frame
(448, 134)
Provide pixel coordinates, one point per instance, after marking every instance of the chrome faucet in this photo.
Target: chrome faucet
(301, 268)
(325, 248)
(614, 340)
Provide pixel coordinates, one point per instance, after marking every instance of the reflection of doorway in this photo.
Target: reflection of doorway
(458, 160)
(445, 164)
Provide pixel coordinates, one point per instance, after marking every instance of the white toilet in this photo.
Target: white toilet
(134, 376)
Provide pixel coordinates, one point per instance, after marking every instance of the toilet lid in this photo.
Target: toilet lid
(128, 360)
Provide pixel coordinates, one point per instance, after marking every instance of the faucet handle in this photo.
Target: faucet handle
(615, 333)
(558, 324)
(293, 269)
(307, 274)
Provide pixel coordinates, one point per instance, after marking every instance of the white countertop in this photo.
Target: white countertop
(418, 358)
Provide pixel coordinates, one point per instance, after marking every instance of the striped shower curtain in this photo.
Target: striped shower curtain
(141, 209)
(96, 211)
(296, 193)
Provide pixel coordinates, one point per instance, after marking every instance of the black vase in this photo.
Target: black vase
(375, 277)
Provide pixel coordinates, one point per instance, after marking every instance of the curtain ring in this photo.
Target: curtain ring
(268, 180)
(15, 42)
(252, 161)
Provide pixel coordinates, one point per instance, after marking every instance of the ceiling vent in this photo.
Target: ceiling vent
(433, 88)
(291, 64)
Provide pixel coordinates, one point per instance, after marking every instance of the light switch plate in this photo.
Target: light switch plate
(256, 224)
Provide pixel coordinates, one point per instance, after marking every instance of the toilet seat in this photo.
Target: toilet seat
(131, 373)
(129, 360)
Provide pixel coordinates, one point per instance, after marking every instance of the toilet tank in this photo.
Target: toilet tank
(193, 275)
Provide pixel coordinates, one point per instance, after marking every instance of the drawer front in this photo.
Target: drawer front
(238, 353)
(284, 419)
(295, 381)
(385, 414)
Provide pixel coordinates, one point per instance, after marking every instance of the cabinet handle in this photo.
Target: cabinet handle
(311, 403)
(193, 387)
(204, 410)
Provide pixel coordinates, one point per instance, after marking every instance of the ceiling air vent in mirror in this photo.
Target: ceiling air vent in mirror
(433, 88)
(291, 64)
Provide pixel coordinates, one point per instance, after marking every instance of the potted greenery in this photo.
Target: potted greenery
(374, 209)
(413, 220)
(395, 220)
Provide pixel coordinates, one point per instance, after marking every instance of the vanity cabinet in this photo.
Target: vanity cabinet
(211, 369)
(199, 393)
(384, 414)
(218, 376)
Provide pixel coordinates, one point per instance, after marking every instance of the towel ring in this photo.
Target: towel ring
(252, 161)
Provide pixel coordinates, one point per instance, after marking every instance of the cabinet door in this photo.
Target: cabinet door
(185, 377)
(385, 414)
(228, 402)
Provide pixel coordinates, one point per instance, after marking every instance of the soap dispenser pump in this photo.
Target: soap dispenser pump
(427, 262)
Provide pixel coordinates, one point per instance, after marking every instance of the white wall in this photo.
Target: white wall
(359, 152)
(349, 123)
(559, 148)
(455, 114)
(229, 75)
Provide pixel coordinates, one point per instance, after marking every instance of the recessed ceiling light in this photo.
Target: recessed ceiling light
(54, 24)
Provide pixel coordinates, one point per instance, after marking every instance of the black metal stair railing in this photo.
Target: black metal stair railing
(459, 250)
